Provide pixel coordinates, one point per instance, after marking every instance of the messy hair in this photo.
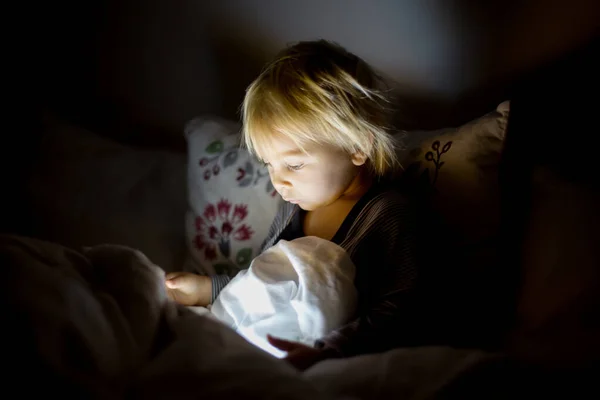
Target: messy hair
(317, 92)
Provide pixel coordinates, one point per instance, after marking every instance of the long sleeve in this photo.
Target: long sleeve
(218, 283)
(382, 246)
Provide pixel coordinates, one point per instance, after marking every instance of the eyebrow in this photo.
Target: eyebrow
(293, 152)
(289, 153)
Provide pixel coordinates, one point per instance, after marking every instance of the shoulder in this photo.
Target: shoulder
(390, 206)
(389, 216)
(281, 220)
(285, 210)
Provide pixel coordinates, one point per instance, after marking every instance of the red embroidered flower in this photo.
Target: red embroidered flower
(226, 229)
(210, 213)
(210, 250)
(218, 224)
(223, 208)
(239, 213)
(242, 233)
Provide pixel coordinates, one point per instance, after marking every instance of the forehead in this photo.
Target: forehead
(280, 146)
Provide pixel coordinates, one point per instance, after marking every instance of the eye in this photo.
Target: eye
(295, 167)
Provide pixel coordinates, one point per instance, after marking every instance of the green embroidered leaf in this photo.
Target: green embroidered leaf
(224, 268)
(245, 182)
(215, 147)
(225, 247)
(269, 187)
(230, 158)
(249, 168)
(244, 256)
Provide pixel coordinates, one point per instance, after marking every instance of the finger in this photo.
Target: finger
(283, 344)
(303, 359)
(175, 296)
(173, 275)
(174, 281)
(172, 284)
(170, 295)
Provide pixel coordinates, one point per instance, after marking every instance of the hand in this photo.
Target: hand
(189, 289)
(299, 355)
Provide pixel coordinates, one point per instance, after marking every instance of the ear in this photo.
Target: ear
(358, 158)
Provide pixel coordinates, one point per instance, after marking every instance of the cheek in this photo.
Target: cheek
(333, 182)
(342, 174)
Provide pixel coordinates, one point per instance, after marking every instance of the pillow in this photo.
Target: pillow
(460, 166)
(455, 172)
(85, 190)
(232, 202)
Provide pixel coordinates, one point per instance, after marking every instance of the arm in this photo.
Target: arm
(387, 272)
(218, 282)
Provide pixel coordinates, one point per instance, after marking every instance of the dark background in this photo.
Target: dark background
(137, 70)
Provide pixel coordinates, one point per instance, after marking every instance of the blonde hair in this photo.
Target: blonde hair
(317, 92)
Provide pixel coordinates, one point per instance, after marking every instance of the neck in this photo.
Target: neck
(325, 221)
(359, 186)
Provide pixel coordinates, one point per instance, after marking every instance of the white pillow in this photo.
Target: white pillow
(231, 198)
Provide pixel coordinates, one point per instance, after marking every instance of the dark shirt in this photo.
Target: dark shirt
(379, 236)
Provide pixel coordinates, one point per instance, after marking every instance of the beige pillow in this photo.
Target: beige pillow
(455, 173)
(460, 166)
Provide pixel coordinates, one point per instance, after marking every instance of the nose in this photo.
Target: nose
(280, 183)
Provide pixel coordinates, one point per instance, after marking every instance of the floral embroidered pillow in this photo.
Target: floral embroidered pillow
(231, 198)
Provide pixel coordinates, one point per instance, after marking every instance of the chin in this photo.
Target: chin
(315, 205)
(307, 207)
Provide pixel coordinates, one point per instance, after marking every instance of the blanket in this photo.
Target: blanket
(98, 324)
(298, 290)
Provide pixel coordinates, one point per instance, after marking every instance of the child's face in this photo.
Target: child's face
(311, 179)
